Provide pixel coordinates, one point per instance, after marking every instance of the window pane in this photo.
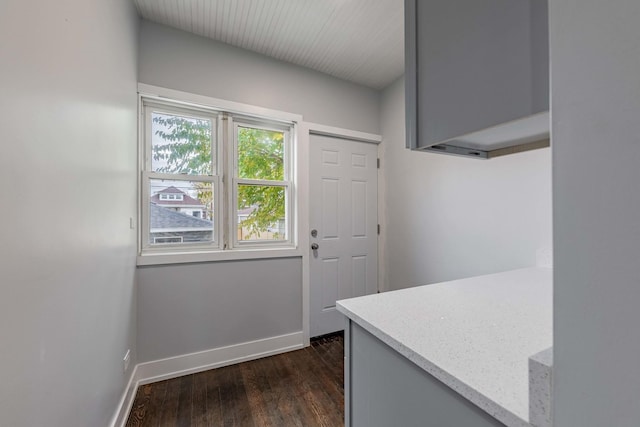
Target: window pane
(260, 154)
(187, 217)
(261, 213)
(181, 144)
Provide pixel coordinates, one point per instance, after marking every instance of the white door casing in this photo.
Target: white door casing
(343, 210)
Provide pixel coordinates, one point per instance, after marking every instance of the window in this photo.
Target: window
(213, 180)
(164, 196)
(174, 239)
(261, 183)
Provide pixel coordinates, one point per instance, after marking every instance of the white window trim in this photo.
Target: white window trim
(287, 184)
(194, 100)
(191, 254)
(167, 106)
(176, 230)
(169, 205)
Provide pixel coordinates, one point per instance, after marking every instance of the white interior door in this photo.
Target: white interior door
(344, 214)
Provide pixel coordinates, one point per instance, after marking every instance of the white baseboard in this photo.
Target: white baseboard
(172, 367)
(126, 401)
(186, 364)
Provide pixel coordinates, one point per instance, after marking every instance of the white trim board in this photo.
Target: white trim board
(173, 367)
(150, 91)
(318, 129)
(126, 401)
(302, 216)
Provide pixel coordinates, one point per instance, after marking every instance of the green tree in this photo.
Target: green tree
(184, 147)
(261, 157)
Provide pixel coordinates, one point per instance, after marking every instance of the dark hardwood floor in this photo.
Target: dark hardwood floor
(300, 388)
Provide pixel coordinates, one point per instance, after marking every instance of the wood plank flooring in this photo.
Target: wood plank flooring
(301, 388)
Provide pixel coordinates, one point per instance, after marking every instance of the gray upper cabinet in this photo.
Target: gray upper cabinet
(477, 76)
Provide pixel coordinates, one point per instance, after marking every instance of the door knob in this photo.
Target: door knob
(315, 246)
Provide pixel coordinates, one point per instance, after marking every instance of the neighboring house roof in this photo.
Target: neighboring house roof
(186, 199)
(163, 218)
(247, 211)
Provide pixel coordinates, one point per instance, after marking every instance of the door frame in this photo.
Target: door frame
(306, 130)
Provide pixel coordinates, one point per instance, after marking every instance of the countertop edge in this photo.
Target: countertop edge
(486, 404)
(540, 388)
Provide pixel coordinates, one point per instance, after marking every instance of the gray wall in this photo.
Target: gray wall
(595, 71)
(178, 60)
(193, 307)
(68, 108)
(449, 217)
(249, 300)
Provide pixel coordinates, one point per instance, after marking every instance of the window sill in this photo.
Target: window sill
(166, 258)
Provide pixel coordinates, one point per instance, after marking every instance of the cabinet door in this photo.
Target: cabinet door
(473, 65)
(383, 388)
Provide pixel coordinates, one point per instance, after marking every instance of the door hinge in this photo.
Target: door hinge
(378, 229)
(378, 162)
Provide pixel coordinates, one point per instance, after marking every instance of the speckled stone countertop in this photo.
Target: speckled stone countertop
(540, 388)
(476, 335)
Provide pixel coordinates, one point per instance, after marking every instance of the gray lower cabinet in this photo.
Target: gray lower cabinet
(476, 75)
(384, 389)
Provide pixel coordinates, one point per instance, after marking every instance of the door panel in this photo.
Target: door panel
(329, 206)
(344, 198)
(359, 275)
(330, 280)
(359, 209)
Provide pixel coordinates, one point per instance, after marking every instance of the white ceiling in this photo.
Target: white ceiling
(356, 40)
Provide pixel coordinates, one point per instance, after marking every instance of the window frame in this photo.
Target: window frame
(227, 113)
(148, 107)
(247, 122)
(174, 197)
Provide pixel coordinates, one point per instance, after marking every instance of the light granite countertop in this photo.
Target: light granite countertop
(476, 335)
